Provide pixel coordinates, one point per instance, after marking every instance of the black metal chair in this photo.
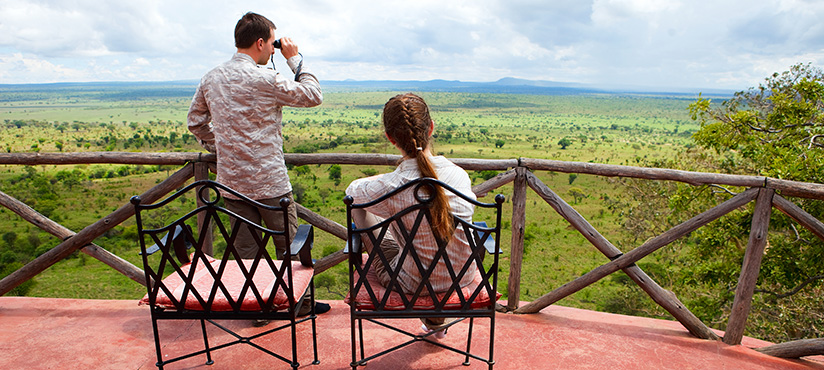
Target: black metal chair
(371, 301)
(197, 286)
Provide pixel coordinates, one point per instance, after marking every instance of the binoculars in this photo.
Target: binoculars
(276, 44)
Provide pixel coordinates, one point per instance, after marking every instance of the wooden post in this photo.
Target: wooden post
(661, 296)
(636, 254)
(750, 268)
(201, 171)
(27, 213)
(795, 349)
(516, 253)
(91, 232)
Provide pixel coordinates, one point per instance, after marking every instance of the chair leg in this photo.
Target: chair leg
(491, 341)
(469, 340)
(314, 328)
(353, 340)
(360, 329)
(294, 363)
(159, 363)
(206, 342)
(357, 338)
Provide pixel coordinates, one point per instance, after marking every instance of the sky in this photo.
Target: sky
(712, 44)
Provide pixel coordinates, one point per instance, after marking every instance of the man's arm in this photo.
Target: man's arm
(305, 91)
(200, 121)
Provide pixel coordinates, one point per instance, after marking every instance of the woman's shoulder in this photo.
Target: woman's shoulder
(440, 160)
(444, 164)
(374, 185)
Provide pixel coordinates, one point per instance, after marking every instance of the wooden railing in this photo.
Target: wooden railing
(517, 171)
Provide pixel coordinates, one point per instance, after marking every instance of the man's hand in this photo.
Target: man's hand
(288, 48)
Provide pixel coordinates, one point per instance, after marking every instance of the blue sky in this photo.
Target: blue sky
(715, 44)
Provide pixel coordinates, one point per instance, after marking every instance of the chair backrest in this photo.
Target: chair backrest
(195, 280)
(472, 284)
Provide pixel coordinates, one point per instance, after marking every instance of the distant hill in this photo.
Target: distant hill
(509, 85)
(503, 86)
(100, 90)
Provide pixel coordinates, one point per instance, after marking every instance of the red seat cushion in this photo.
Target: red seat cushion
(424, 302)
(233, 279)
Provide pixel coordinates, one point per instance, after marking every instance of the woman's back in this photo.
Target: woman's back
(364, 190)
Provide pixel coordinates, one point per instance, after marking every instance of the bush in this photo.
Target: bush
(486, 174)
(329, 249)
(22, 289)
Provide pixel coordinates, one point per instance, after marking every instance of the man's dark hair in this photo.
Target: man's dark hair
(250, 28)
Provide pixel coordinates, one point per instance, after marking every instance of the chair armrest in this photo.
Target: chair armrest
(354, 245)
(179, 243)
(151, 250)
(488, 242)
(302, 244)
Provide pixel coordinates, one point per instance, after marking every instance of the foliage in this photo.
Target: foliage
(335, 173)
(368, 172)
(577, 194)
(485, 174)
(774, 130)
(22, 289)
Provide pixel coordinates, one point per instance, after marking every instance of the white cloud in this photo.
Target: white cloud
(608, 12)
(703, 43)
(17, 68)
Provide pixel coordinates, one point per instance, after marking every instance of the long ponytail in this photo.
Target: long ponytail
(406, 120)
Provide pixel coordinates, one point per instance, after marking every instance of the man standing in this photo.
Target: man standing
(237, 113)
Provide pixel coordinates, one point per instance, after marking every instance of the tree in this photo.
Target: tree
(777, 130)
(369, 172)
(577, 194)
(10, 237)
(564, 143)
(299, 192)
(302, 170)
(323, 193)
(335, 173)
(485, 174)
(499, 143)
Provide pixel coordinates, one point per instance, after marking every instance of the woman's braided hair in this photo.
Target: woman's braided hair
(407, 122)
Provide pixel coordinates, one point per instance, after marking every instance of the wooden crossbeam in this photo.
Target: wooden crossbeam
(89, 233)
(35, 218)
(642, 251)
(661, 296)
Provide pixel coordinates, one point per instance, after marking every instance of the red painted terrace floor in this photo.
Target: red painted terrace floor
(46, 333)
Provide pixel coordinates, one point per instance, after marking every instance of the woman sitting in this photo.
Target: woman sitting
(409, 127)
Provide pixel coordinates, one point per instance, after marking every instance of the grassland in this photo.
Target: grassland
(605, 128)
